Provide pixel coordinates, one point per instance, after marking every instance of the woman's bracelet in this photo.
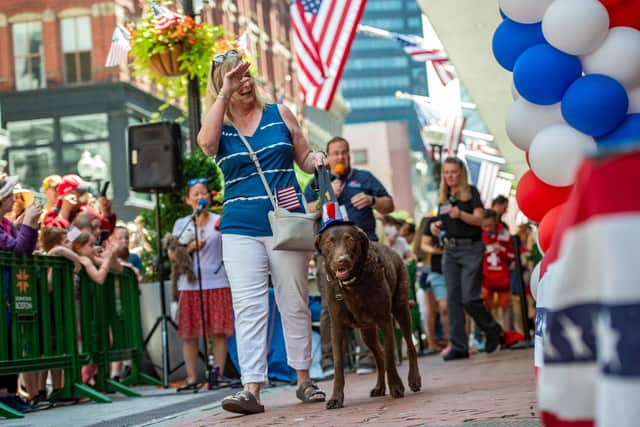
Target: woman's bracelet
(224, 97)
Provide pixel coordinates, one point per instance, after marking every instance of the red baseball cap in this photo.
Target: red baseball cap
(72, 182)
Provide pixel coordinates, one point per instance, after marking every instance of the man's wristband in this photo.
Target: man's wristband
(373, 201)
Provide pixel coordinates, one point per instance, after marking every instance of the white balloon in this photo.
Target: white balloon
(577, 27)
(634, 100)
(617, 57)
(524, 120)
(515, 95)
(556, 152)
(524, 11)
(535, 281)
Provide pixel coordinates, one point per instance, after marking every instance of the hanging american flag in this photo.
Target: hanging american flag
(288, 198)
(484, 175)
(591, 374)
(417, 49)
(323, 31)
(120, 47)
(163, 17)
(454, 125)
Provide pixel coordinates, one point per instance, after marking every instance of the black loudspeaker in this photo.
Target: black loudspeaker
(155, 157)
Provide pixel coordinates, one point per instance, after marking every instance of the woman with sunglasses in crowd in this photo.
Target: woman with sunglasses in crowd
(215, 285)
(232, 105)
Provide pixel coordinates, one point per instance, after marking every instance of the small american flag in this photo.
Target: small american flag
(164, 18)
(120, 47)
(484, 175)
(323, 31)
(288, 198)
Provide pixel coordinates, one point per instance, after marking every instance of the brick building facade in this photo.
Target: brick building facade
(59, 102)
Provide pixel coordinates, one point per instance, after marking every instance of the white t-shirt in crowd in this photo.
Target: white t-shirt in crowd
(214, 275)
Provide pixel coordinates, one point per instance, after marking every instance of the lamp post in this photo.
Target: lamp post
(193, 91)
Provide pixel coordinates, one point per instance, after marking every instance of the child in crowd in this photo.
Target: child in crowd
(496, 279)
(395, 240)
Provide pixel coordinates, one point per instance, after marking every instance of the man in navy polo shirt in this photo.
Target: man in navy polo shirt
(359, 192)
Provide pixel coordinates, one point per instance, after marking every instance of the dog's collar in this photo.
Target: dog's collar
(347, 282)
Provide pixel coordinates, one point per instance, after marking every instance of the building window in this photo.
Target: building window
(31, 132)
(76, 48)
(31, 164)
(84, 127)
(359, 157)
(27, 50)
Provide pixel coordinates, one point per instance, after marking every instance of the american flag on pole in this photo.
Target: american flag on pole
(591, 345)
(323, 31)
(163, 17)
(417, 49)
(120, 47)
(288, 198)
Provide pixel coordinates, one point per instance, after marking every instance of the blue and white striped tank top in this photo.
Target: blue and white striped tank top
(245, 199)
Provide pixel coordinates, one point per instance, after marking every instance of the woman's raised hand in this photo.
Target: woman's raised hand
(234, 79)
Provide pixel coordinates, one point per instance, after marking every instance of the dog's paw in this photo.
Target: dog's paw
(378, 391)
(335, 403)
(415, 383)
(396, 390)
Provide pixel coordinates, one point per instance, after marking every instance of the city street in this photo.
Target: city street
(487, 390)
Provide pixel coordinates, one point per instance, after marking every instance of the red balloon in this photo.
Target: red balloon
(625, 14)
(548, 226)
(536, 198)
(610, 3)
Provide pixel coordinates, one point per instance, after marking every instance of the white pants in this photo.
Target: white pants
(247, 261)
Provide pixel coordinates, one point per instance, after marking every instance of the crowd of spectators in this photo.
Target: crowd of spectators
(64, 219)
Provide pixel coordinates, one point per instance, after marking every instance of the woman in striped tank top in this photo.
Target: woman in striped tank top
(275, 136)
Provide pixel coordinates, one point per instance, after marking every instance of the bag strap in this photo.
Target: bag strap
(254, 157)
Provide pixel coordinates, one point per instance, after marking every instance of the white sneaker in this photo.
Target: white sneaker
(364, 370)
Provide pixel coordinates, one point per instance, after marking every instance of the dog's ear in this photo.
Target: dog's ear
(318, 240)
(364, 242)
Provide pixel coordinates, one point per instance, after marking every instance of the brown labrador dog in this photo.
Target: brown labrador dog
(367, 287)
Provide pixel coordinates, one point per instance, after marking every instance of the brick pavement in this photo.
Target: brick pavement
(486, 390)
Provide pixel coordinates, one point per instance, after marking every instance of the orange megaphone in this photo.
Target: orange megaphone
(339, 169)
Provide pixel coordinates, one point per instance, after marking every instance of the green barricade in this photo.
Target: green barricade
(111, 329)
(38, 323)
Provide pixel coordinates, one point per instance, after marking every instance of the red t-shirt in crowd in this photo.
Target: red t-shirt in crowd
(497, 258)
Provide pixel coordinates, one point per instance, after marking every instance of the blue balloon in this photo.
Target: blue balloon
(625, 135)
(595, 104)
(542, 74)
(511, 39)
(504, 16)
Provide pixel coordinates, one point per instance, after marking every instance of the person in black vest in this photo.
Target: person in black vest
(460, 212)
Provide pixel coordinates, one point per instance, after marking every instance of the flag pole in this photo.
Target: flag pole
(193, 91)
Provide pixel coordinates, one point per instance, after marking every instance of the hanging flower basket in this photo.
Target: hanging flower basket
(166, 63)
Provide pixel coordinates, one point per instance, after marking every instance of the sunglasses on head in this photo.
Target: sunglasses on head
(195, 181)
(228, 55)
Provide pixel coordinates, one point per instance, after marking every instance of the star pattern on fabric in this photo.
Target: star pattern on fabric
(608, 339)
(573, 334)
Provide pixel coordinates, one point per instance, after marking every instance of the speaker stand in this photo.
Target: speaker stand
(163, 320)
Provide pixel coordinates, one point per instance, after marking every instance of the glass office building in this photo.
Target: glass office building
(377, 68)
